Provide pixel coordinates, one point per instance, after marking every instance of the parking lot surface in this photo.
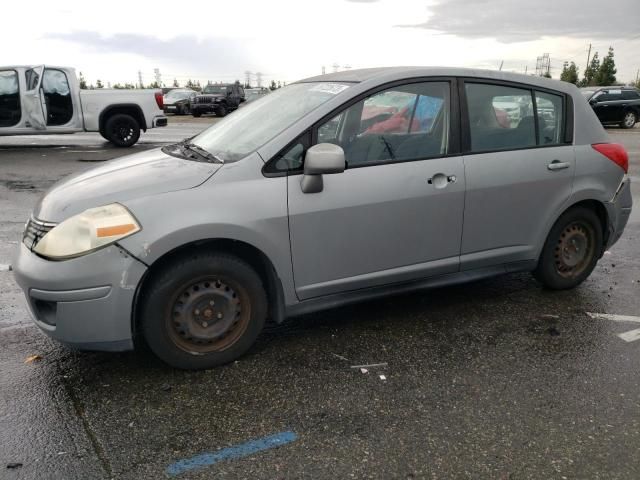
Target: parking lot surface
(495, 379)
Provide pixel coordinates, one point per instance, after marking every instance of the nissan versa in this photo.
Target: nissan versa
(331, 190)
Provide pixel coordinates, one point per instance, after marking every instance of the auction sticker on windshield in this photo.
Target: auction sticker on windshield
(332, 88)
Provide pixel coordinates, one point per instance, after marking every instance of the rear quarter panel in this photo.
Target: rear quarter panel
(94, 102)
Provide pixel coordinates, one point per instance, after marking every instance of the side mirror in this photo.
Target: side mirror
(593, 101)
(321, 159)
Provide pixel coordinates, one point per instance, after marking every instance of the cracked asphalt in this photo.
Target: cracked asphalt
(496, 379)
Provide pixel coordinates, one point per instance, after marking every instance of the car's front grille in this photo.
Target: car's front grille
(203, 100)
(34, 231)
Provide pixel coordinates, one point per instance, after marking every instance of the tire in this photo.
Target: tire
(221, 111)
(185, 110)
(122, 130)
(629, 120)
(571, 250)
(196, 113)
(203, 310)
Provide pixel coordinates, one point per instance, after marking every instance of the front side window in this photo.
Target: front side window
(408, 122)
(500, 117)
(549, 108)
(57, 96)
(10, 111)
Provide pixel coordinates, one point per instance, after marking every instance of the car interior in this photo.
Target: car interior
(10, 110)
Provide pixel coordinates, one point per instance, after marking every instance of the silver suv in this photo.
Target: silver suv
(331, 190)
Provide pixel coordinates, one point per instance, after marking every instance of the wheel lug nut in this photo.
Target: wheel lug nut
(197, 312)
(219, 315)
(212, 303)
(205, 324)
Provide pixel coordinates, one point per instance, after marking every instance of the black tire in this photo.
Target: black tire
(571, 250)
(122, 130)
(185, 110)
(203, 310)
(221, 110)
(196, 113)
(629, 120)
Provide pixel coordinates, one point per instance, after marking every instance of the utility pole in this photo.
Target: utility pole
(247, 78)
(140, 84)
(156, 73)
(259, 79)
(501, 64)
(526, 67)
(323, 70)
(588, 56)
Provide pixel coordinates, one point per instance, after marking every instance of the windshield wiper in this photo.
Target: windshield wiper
(201, 152)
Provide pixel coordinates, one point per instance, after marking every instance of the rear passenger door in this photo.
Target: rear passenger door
(519, 168)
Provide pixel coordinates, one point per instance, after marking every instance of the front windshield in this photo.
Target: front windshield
(177, 94)
(215, 89)
(250, 127)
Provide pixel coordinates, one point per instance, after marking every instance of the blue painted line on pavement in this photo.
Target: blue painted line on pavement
(231, 453)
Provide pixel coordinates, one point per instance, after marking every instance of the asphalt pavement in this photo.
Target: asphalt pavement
(497, 379)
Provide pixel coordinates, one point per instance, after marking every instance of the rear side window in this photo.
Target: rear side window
(550, 113)
(500, 117)
(9, 98)
(630, 95)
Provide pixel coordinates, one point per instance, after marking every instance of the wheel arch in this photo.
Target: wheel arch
(127, 108)
(255, 257)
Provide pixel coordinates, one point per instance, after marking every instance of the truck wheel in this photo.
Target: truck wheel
(122, 130)
(196, 113)
(571, 250)
(221, 111)
(203, 310)
(629, 120)
(186, 110)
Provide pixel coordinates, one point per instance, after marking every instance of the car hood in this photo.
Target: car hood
(133, 176)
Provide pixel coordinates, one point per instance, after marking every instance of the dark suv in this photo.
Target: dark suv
(219, 99)
(615, 105)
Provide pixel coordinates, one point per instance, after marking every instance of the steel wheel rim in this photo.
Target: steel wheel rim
(574, 250)
(629, 119)
(207, 315)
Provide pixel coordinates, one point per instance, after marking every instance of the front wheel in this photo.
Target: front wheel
(196, 113)
(203, 310)
(571, 250)
(122, 130)
(629, 120)
(221, 110)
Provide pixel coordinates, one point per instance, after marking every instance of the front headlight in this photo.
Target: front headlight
(88, 231)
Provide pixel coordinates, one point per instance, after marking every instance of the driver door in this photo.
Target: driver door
(33, 101)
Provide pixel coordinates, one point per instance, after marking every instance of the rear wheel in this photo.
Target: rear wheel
(203, 311)
(122, 130)
(629, 120)
(571, 250)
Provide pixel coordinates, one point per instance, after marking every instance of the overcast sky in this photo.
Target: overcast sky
(291, 39)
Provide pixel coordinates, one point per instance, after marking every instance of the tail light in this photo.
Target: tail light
(614, 152)
(159, 100)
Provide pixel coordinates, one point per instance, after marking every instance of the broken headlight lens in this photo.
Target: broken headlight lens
(88, 231)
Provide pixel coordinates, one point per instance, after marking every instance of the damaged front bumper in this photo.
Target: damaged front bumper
(85, 302)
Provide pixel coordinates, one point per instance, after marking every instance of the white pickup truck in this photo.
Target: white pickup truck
(48, 100)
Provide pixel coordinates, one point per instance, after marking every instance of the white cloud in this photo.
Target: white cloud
(289, 39)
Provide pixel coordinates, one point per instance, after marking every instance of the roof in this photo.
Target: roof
(382, 74)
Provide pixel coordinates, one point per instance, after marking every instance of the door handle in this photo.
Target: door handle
(558, 165)
(440, 180)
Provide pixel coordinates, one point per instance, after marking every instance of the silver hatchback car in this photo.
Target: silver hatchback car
(334, 189)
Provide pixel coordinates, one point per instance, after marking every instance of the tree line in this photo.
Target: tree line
(597, 73)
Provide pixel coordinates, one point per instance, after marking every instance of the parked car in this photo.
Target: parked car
(615, 105)
(291, 205)
(219, 99)
(48, 100)
(252, 94)
(178, 101)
